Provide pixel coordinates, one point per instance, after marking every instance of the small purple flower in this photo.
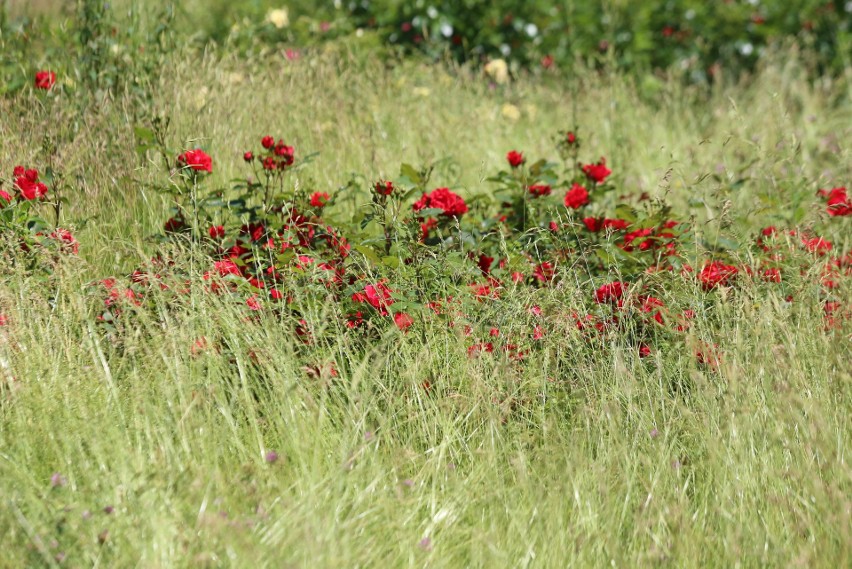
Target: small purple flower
(57, 480)
(271, 456)
(654, 433)
(408, 482)
(108, 510)
(368, 436)
(425, 544)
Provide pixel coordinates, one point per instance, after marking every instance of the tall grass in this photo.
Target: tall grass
(147, 451)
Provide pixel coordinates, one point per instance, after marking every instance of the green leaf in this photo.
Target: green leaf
(144, 135)
(410, 172)
(624, 211)
(369, 254)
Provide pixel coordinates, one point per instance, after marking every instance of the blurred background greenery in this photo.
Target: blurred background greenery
(700, 40)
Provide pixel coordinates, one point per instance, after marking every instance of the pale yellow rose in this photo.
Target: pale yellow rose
(498, 70)
(511, 112)
(279, 18)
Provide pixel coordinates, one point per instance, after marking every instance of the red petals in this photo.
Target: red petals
(597, 172)
(45, 80)
(515, 158)
(576, 197)
(715, 274)
(451, 204)
(197, 160)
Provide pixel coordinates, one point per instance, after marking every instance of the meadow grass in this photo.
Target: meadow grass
(144, 453)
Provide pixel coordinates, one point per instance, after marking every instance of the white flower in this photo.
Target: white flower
(446, 30)
(279, 18)
(531, 29)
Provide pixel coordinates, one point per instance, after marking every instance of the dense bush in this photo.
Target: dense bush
(700, 39)
(704, 37)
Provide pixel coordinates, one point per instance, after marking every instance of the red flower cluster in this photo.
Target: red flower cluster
(45, 80)
(279, 155)
(597, 172)
(451, 204)
(197, 160)
(27, 185)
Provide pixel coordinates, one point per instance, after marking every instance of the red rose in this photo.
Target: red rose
(285, 153)
(716, 273)
(319, 199)
(45, 80)
(197, 160)
(772, 275)
(66, 240)
(427, 226)
(248, 156)
(29, 187)
(484, 263)
(403, 321)
(610, 293)
(515, 158)
(617, 224)
(451, 204)
(267, 142)
(597, 172)
(539, 190)
(378, 296)
(570, 138)
(593, 224)
(817, 245)
(384, 188)
(4, 197)
(227, 267)
(216, 232)
(576, 197)
(839, 204)
(174, 224)
(253, 303)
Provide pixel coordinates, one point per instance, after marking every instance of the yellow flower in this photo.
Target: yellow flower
(511, 112)
(279, 18)
(498, 70)
(422, 91)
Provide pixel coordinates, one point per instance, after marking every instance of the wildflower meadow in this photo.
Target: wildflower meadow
(391, 284)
